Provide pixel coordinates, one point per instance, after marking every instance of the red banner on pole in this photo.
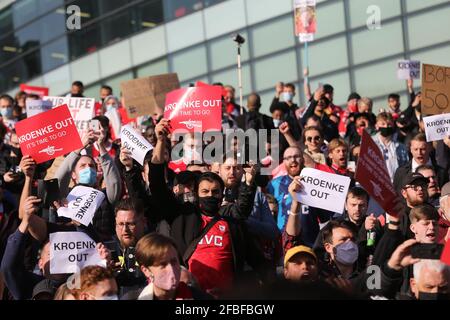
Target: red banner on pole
(48, 135)
(195, 108)
(40, 91)
(372, 174)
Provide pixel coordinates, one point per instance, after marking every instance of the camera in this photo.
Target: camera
(238, 38)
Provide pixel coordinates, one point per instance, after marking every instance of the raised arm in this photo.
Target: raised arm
(306, 86)
(293, 225)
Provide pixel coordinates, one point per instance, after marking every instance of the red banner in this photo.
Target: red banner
(40, 91)
(48, 135)
(372, 174)
(195, 108)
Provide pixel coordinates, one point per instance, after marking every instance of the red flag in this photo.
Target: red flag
(372, 174)
(40, 91)
(48, 135)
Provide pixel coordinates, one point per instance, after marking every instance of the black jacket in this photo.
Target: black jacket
(330, 129)
(402, 171)
(185, 222)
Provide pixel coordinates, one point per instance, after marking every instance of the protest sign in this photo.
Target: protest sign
(81, 109)
(82, 204)
(146, 96)
(114, 120)
(195, 108)
(408, 69)
(372, 174)
(437, 127)
(48, 135)
(40, 91)
(435, 89)
(135, 143)
(305, 19)
(323, 190)
(35, 107)
(72, 251)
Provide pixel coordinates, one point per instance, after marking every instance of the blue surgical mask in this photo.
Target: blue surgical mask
(347, 253)
(87, 176)
(110, 107)
(7, 112)
(287, 96)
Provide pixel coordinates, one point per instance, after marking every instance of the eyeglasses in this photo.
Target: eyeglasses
(128, 225)
(294, 157)
(417, 187)
(431, 178)
(316, 138)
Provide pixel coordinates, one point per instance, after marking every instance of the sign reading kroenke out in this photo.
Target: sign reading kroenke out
(437, 127)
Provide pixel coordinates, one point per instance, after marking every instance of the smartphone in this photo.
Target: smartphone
(112, 246)
(427, 251)
(53, 193)
(351, 165)
(94, 125)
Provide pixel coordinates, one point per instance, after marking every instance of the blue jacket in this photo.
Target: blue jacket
(261, 222)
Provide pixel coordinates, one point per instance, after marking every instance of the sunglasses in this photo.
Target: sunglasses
(316, 138)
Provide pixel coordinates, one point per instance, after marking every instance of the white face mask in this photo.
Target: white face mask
(166, 280)
(277, 122)
(347, 253)
(287, 96)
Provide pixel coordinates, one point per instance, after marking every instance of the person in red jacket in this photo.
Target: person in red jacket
(444, 214)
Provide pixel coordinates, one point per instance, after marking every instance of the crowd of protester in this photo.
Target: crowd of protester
(187, 229)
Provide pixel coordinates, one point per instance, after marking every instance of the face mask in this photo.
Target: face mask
(287, 96)
(189, 197)
(87, 176)
(433, 296)
(209, 205)
(7, 113)
(386, 132)
(110, 107)
(347, 253)
(166, 280)
(111, 297)
(276, 122)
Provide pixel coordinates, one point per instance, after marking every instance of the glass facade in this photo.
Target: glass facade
(193, 38)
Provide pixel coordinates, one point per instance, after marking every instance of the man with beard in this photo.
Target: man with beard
(130, 227)
(433, 188)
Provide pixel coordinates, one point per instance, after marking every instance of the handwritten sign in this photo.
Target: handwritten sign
(437, 127)
(408, 69)
(435, 89)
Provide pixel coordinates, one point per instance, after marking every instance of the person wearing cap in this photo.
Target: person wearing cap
(444, 214)
(300, 264)
(44, 290)
(420, 150)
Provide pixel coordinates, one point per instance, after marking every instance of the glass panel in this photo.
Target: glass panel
(6, 21)
(84, 41)
(114, 82)
(413, 5)
(327, 56)
(282, 67)
(190, 63)
(149, 14)
(154, 68)
(273, 36)
(24, 11)
(53, 25)
(366, 43)
(30, 36)
(429, 28)
(209, 3)
(359, 15)
(340, 83)
(89, 10)
(106, 6)
(117, 27)
(230, 77)
(223, 52)
(93, 91)
(178, 8)
(55, 54)
(437, 56)
(9, 48)
(48, 5)
(330, 12)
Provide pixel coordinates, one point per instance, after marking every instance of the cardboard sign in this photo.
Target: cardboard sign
(48, 135)
(195, 109)
(437, 127)
(135, 143)
(408, 69)
(145, 96)
(40, 91)
(72, 251)
(35, 107)
(305, 19)
(323, 190)
(435, 89)
(372, 174)
(83, 202)
(81, 109)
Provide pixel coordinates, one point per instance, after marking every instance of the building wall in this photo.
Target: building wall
(345, 53)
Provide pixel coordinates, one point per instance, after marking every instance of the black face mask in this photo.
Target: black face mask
(209, 206)
(386, 132)
(433, 296)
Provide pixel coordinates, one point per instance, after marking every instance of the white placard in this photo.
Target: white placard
(81, 109)
(35, 107)
(323, 190)
(135, 143)
(408, 69)
(83, 202)
(72, 251)
(114, 120)
(437, 127)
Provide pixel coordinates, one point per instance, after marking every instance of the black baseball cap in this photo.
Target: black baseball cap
(414, 178)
